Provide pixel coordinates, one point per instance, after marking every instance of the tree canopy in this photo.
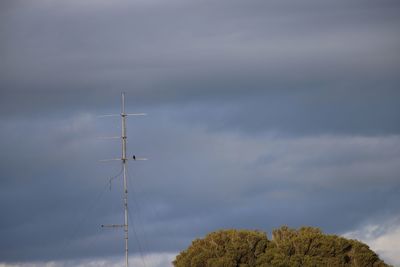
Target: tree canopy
(305, 246)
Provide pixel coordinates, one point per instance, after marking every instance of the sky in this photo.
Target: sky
(260, 114)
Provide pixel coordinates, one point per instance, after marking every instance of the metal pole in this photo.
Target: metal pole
(124, 160)
(123, 138)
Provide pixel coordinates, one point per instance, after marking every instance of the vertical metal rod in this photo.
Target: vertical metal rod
(123, 138)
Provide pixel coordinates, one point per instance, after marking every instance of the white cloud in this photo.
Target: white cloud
(150, 260)
(384, 239)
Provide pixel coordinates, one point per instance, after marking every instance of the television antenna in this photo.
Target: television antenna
(124, 161)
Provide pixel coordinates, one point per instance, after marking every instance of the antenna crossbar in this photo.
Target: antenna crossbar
(109, 137)
(112, 225)
(122, 114)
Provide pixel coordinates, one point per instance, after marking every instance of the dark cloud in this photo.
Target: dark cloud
(261, 114)
(196, 181)
(341, 58)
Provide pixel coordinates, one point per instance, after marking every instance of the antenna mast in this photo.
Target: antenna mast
(124, 160)
(123, 139)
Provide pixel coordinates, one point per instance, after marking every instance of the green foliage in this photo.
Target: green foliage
(307, 247)
(228, 248)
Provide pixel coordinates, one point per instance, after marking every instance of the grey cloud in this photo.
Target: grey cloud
(197, 181)
(261, 114)
(335, 57)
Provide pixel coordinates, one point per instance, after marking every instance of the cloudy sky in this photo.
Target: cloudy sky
(260, 114)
